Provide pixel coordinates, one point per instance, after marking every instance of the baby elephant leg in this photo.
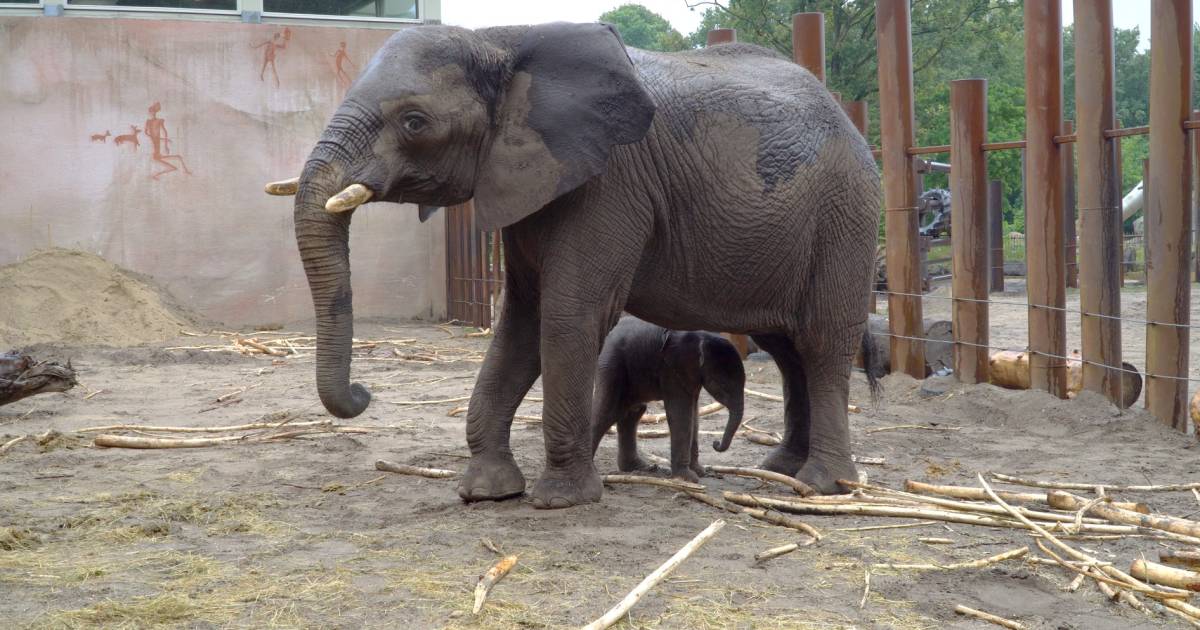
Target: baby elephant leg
(681, 418)
(628, 458)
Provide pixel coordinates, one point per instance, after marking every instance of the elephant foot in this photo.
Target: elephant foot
(491, 478)
(635, 464)
(700, 471)
(561, 488)
(822, 474)
(686, 474)
(783, 461)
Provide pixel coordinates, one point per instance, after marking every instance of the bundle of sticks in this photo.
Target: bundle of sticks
(280, 344)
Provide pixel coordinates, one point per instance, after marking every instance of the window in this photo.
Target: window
(402, 9)
(195, 5)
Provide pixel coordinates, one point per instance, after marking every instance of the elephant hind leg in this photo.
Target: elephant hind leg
(792, 453)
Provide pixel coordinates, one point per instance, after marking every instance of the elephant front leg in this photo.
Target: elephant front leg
(569, 350)
(792, 453)
(510, 368)
(681, 418)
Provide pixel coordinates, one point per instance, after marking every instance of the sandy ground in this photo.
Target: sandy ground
(305, 533)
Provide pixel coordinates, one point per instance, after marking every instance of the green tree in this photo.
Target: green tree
(642, 28)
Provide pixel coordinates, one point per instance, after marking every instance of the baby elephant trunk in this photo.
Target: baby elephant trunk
(724, 380)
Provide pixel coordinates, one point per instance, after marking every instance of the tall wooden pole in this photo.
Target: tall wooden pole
(892, 24)
(1070, 208)
(1045, 240)
(969, 238)
(858, 113)
(808, 42)
(1099, 190)
(1168, 218)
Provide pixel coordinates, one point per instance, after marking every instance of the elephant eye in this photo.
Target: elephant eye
(414, 123)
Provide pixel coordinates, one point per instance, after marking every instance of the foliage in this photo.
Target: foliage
(642, 28)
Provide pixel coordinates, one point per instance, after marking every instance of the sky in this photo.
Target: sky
(477, 13)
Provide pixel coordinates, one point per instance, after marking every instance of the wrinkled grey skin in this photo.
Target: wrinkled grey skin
(641, 362)
(718, 189)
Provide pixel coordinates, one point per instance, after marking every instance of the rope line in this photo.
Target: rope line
(1041, 306)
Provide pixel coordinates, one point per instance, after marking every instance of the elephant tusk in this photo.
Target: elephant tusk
(283, 188)
(352, 197)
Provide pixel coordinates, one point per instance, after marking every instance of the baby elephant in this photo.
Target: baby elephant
(642, 362)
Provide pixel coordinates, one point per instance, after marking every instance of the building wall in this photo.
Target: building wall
(72, 174)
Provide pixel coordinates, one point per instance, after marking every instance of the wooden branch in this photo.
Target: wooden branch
(798, 507)
(1180, 558)
(708, 500)
(775, 552)
(405, 469)
(1066, 501)
(126, 441)
(673, 484)
(222, 429)
(763, 439)
(988, 617)
(977, 494)
(416, 403)
(616, 613)
(1034, 483)
(966, 507)
(862, 602)
(915, 427)
(775, 518)
(799, 487)
(1162, 574)
(489, 579)
(753, 394)
(706, 410)
(974, 564)
(11, 443)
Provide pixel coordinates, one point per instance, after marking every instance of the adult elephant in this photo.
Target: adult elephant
(717, 189)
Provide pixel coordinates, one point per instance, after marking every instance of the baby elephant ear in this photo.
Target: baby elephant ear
(573, 95)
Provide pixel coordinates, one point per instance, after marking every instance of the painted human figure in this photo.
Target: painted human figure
(340, 59)
(156, 130)
(277, 42)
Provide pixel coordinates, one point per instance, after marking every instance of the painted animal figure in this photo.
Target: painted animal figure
(101, 137)
(641, 362)
(131, 137)
(715, 189)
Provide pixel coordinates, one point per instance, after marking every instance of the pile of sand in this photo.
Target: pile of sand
(68, 296)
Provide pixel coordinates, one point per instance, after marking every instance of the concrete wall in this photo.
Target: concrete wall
(228, 114)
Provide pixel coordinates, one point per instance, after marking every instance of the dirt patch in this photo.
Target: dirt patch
(74, 297)
(305, 533)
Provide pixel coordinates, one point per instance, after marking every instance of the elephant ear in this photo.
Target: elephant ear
(573, 94)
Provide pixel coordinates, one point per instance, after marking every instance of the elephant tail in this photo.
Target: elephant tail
(870, 361)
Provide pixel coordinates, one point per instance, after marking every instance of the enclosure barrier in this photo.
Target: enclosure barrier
(1048, 241)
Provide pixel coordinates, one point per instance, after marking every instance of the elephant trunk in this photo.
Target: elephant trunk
(323, 238)
(734, 404)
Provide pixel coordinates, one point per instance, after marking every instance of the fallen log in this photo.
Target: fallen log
(21, 377)
(1069, 485)
(1167, 576)
(417, 471)
(939, 347)
(1180, 558)
(796, 485)
(1010, 369)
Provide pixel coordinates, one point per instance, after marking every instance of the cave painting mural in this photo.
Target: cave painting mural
(278, 41)
(101, 137)
(340, 61)
(156, 131)
(129, 138)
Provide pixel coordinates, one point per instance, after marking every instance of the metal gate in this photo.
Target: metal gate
(474, 268)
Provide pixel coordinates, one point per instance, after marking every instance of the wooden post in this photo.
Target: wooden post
(996, 234)
(1045, 242)
(857, 111)
(905, 321)
(1168, 218)
(1119, 175)
(1195, 148)
(808, 42)
(1100, 258)
(969, 235)
(1069, 207)
(721, 36)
